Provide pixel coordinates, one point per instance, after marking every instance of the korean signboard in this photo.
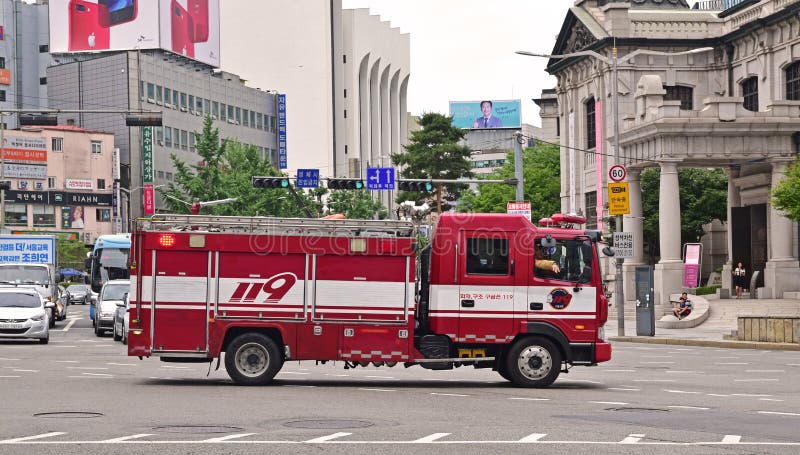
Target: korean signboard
(25, 171)
(147, 155)
(30, 249)
(519, 208)
(618, 200)
(28, 149)
(282, 159)
(78, 184)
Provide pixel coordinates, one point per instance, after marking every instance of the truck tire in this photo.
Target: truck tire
(502, 370)
(533, 362)
(253, 359)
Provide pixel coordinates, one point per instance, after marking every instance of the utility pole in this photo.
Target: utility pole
(518, 141)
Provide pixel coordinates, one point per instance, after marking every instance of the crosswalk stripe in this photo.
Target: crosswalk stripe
(432, 437)
(731, 439)
(327, 438)
(534, 437)
(128, 438)
(32, 438)
(228, 437)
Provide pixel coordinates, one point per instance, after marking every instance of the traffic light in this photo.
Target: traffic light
(5, 184)
(38, 120)
(416, 186)
(345, 184)
(270, 182)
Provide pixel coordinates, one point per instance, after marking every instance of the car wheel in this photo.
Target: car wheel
(533, 362)
(116, 336)
(253, 359)
(97, 330)
(52, 319)
(44, 340)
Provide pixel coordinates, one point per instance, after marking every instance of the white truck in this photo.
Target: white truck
(31, 261)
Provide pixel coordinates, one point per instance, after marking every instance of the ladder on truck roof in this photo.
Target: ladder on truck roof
(277, 226)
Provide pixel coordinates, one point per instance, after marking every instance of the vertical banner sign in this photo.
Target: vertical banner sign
(147, 155)
(115, 198)
(691, 266)
(282, 160)
(598, 163)
(149, 199)
(571, 143)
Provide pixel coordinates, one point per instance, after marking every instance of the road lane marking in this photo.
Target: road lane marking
(731, 439)
(632, 439)
(793, 414)
(731, 363)
(658, 363)
(377, 390)
(87, 368)
(619, 371)
(680, 391)
(292, 372)
(9, 359)
(755, 380)
(529, 399)
(70, 346)
(32, 438)
(98, 374)
(535, 437)
(127, 438)
(765, 371)
(655, 380)
(431, 437)
(755, 395)
(327, 438)
(684, 372)
(769, 399)
(697, 408)
(449, 394)
(623, 389)
(380, 377)
(67, 361)
(69, 325)
(618, 403)
(123, 364)
(26, 371)
(718, 395)
(583, 381)
(229, 437)
(5, 376)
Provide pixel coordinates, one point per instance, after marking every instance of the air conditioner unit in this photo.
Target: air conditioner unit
(231, 121)
(183, 109)
(151, 100)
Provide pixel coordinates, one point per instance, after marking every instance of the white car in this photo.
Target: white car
(112, 294)
(24, 314)
(122, 321)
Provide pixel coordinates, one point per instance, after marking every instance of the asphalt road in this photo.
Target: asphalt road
(82, 394)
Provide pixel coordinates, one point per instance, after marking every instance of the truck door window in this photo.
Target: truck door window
(487, 256)
(569, 260)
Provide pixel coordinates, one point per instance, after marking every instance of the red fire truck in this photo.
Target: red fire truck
(488, 290)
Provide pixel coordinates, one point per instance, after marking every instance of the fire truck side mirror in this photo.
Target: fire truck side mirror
(608, 251)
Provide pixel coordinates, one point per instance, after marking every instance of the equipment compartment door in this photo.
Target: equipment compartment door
(487, 287)
(181, 310)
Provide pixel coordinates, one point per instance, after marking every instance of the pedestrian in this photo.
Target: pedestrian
(739, 279)
(684, 307)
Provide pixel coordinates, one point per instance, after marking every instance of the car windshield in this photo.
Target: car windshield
(19, 300)
(24, 274)
(115, 292)
(77, 288)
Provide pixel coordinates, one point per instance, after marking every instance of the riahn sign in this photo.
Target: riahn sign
(186, 27)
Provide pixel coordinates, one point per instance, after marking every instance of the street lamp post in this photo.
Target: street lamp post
(613, 61)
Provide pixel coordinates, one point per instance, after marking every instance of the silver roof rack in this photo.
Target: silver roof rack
(276, 226)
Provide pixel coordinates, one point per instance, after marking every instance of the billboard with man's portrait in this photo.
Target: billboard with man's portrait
(486, 114)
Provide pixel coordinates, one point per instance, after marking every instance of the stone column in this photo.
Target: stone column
(734, 200)
(634, 222)
(669, 270)
(782, 272)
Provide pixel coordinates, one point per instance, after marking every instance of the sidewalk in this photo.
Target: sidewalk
(720, 323)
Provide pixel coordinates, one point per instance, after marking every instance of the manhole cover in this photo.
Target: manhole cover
(68, 415)
(197, 429)
(638, 409)
(328, 424)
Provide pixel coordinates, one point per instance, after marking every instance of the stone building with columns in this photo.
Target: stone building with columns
(733, 105)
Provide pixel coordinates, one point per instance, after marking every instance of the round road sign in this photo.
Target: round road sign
(617, 173)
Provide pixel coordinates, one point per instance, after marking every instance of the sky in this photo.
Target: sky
(463, 50)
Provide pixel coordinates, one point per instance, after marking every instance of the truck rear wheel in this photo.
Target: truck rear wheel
(533, 362)
(253, 359)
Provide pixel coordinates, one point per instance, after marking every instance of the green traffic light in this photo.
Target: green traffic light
(428, 186)
(359, 184)
(284, 183)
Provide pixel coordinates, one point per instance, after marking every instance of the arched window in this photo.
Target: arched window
(750, 93)
(793, 81)
(590, 124)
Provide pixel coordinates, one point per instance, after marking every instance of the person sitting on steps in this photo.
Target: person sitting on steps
(684, 307)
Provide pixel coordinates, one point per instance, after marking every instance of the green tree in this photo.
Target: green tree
(355, 204)
(71, 253)
(434, 153)
(225, 170)
(786, 194)
(542, 186)
(703, 198)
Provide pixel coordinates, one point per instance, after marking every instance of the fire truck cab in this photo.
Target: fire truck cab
(488, 290)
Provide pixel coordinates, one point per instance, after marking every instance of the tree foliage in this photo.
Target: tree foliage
(542, 186)
(786, 194)
(225, 170)
(355, 204)
(703, 198)
(71, 253)
(434, 153)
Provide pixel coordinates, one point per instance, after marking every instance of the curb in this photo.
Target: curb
(709, 343)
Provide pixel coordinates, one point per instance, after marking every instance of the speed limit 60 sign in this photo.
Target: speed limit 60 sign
(617, 173)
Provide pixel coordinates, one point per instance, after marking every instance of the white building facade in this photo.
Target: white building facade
(734, 107)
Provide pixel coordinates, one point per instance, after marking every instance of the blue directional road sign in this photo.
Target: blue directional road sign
(380, 178)
(307, 178)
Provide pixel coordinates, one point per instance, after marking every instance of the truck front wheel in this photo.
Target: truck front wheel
(252, 359)
(533, 362)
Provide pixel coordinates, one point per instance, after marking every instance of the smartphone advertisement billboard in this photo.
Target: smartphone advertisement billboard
(486, 113)
(186, 27)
